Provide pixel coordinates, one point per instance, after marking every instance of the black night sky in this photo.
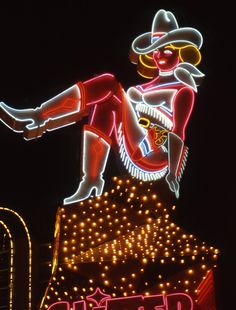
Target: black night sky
(45, 48)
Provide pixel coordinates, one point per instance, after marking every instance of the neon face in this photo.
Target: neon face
(166, 59)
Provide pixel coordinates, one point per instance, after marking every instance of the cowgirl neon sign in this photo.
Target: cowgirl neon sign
(147, 122)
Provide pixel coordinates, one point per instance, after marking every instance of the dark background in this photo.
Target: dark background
(47, 47)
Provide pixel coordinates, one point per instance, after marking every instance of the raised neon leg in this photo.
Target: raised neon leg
(62, 110)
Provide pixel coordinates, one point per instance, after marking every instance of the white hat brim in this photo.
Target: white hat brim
(142, 44)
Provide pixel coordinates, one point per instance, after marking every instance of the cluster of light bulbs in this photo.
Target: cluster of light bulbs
(112, 240)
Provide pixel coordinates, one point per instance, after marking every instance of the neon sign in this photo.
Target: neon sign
(101, 301)
(147, 123)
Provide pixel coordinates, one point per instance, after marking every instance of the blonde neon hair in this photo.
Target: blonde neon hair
(188, 53)
(146, 66)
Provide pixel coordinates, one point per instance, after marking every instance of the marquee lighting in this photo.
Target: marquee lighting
(30, 252)
(116, 238)
(11, 277)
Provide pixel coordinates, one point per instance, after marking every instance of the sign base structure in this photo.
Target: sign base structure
(122, 251)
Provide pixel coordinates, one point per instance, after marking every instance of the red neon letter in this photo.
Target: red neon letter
(79, 305)
(126, 303)
(61, 305)
(155, 302)
(179, 302)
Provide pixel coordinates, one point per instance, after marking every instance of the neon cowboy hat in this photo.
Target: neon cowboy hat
(165, 30)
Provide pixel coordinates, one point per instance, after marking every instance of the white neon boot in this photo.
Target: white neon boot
(96, 147)
(62, 110)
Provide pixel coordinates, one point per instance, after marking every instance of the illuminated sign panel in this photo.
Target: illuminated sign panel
(125, 243)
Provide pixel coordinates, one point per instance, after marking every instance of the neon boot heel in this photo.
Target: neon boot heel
(95, 153)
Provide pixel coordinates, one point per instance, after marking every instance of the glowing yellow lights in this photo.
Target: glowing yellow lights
(11, 275)
(144, 261)
(29, 257)
(140, 231)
